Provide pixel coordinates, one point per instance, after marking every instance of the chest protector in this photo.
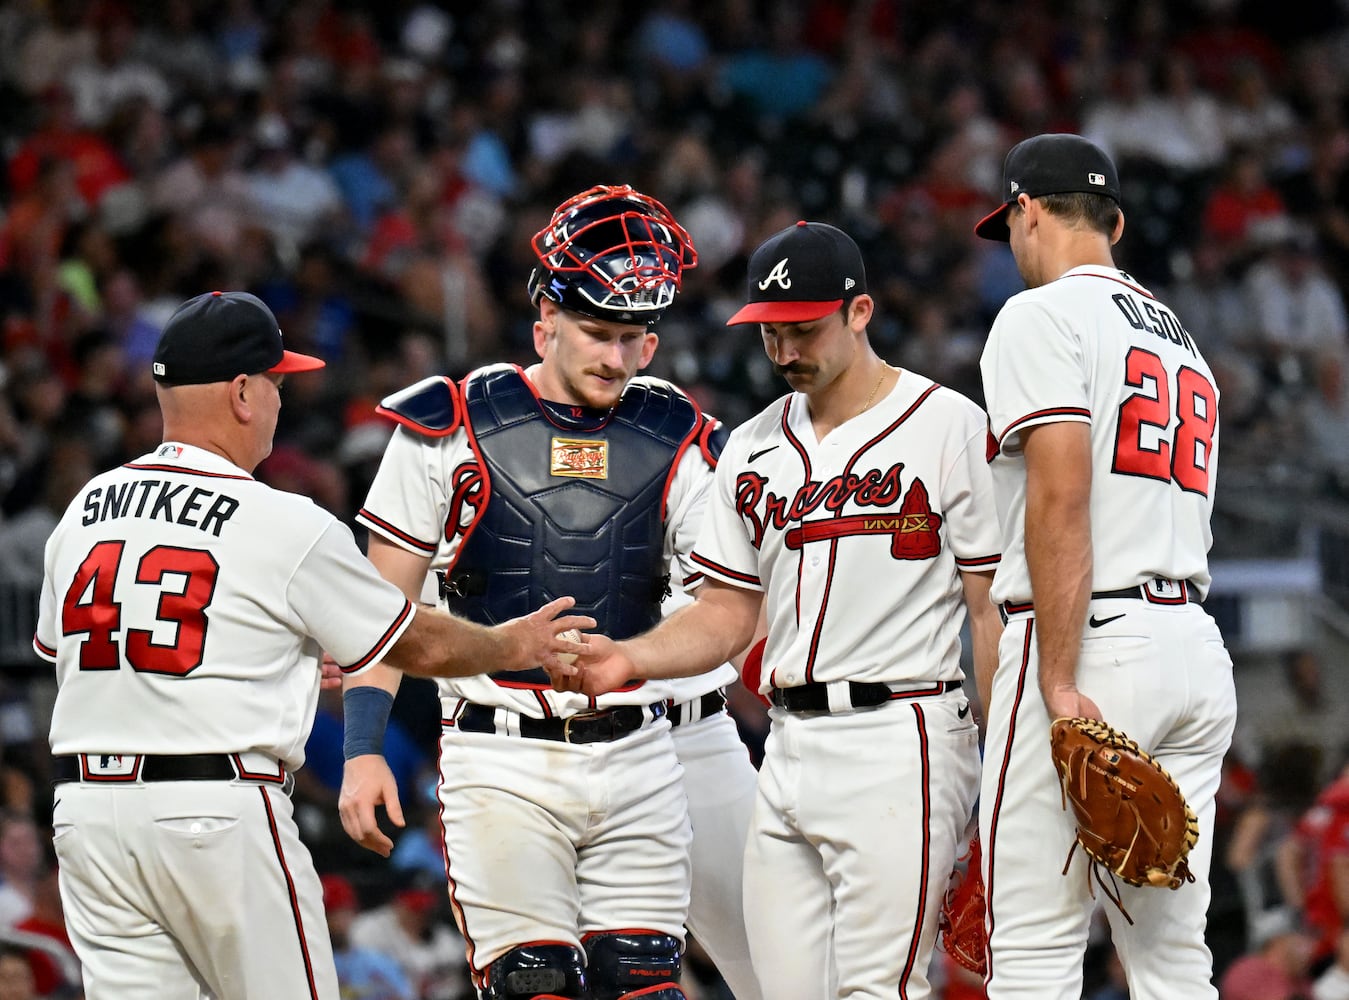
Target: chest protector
(575, 506)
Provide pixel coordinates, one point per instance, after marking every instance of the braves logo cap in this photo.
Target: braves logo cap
(218, 335)
(1054, 163)
(802, 273)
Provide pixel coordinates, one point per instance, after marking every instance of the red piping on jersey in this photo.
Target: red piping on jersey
(978, 561)
(43, 649)
(691, 579)
(378, 649)
(422, 429)
(543, 703)
(816, 638)
(726, 571)
(795, 442)
(689, 438)
(472, 439)
(470, 946)
(710, 424)
(364, 514)
(290, 889)
(185, 472)
(274, 779)
(991, 846)
(1053, 411)
(926, 855)
(1110, 277)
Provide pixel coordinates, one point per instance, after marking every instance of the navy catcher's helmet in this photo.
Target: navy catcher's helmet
(612, 253)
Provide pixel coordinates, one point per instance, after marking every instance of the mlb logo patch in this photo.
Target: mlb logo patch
(111, 766)
(169, 451)
(1097, 179)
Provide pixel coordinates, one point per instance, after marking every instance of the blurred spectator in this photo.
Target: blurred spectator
(206, 187)
(1278, 969)
(113, 75)
(1238, 205)
(1325, 421)
(54, 45)
(1302, 708)
(21, 867)
(782, 79)
(1253, 116)
(1298, 313)
(1313, 866)
(292, 198)
(16, 975)
(48, 920)
(410, 928)
(60, 136)
(362, 973)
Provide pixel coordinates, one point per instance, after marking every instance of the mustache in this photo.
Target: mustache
(795, 368)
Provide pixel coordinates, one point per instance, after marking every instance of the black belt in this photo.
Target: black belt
(1188, 594)
(602, 726)
(708, 705)
(185, 767)
(814, 697)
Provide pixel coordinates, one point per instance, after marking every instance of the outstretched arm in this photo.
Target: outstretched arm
(718, 625)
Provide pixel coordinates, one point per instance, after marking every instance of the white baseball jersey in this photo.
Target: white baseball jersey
(186, 606)
(419, 490)
(895, 501)
(1096, 347)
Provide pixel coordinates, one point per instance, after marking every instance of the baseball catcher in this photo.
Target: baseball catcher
(1131, 817)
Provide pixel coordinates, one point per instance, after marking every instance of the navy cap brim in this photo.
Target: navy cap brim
(294, 361)
(784, 312)
(993, 226)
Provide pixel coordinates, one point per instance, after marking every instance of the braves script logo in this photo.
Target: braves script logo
(913, 530)
(778, 274)
(468, 497)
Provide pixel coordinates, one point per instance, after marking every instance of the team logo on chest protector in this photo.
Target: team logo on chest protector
(579, 459)
(914, 530)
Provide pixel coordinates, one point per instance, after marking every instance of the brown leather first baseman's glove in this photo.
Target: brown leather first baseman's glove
(961, 922)
(1131, 817)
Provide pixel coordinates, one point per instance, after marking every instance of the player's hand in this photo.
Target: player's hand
(367, 782)
(535, 639)
(330, 673)
(603, 666)
(1065, 701)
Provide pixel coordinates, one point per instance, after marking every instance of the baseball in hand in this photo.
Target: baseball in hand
(571, 635)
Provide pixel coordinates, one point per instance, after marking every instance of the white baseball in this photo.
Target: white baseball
(571, 635)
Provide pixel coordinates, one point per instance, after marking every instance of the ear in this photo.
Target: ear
(860, 311)
(649, 344)
(240, 399)
(545, 327)
(1119, 229)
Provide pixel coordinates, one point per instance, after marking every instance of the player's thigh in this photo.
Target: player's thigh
(238, 891)
(1038, 919)
(513, 811)
(891, 783)
(125, 954)
(633, 867)
(720, 784)
(788, 899)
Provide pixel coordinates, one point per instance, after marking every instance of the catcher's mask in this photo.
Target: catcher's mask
(612, 253)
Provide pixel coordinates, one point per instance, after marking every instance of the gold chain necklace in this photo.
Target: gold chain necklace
(874, 389)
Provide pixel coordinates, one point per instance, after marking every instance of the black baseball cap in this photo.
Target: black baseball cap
(802, 273)
(1055, 163)
(219, 335)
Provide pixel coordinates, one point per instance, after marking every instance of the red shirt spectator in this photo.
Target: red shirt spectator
(1323, 837)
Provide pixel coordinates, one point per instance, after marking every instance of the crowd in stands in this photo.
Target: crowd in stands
(375, 171)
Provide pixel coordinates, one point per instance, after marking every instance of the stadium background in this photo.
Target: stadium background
(374, 172)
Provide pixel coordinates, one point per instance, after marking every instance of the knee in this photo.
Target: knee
(537, 970)
(627, 964)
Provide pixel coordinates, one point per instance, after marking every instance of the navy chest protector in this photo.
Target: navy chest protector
(571, 509)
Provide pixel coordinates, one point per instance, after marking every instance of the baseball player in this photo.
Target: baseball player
(567, 835)
(185, 607)
(859, 509)
(1104, 419)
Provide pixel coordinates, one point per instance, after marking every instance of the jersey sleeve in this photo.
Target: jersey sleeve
(408, 498)
(1033, 371)
(967, 498)
(724, 550)
(685, 508)
(340, 600)
(44, 639)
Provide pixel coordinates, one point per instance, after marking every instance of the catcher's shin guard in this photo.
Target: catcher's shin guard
(539, 970)
(626, 964)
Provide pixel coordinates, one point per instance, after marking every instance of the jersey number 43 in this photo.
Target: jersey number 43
(1143, 446)
(91, 606)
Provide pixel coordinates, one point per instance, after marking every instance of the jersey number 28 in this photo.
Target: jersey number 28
(92, 607)
(1185, 457)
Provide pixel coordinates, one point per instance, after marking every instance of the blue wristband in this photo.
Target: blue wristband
(365, 713)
